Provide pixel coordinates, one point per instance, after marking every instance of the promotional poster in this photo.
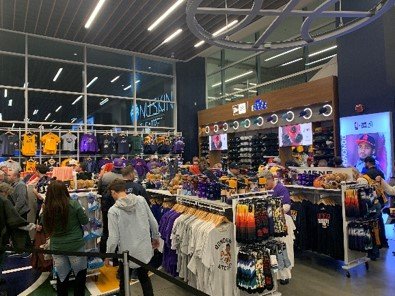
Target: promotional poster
(296, 135)
(219, 142)
(367, 135)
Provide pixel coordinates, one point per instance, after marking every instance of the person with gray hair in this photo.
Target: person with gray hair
(279, 190)
(19, 197)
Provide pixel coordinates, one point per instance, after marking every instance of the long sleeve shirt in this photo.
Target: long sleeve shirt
(19, 197)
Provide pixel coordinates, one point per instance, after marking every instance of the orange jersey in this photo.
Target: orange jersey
(50, 142)
(28, 145)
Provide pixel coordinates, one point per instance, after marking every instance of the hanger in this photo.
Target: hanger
(9, 133)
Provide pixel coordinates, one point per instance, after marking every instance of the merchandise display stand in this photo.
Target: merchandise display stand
(91, 244)
(235, 201)
(164, 193)
(351, 258)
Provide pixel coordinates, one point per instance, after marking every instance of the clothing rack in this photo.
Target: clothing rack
(351, 258)
(263, 195)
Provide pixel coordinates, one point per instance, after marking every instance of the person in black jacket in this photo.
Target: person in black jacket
(371, 169)
(129, 175)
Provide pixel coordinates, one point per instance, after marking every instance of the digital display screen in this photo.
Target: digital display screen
(218, 142)
(367, 135)
(295, 135)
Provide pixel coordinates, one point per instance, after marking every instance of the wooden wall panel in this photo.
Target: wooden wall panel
(318, 91)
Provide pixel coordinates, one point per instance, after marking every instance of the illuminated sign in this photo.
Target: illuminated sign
(259, 105)
(239, 109)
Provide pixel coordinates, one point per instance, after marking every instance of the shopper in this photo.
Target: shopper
(205, 169)
(39, 181)
(130, 218)
(129, 176)
(279, 190)
(10, 220)
(19, 197)
(371, 169)
(62, 220)
(194, 168)
(338, 162)
(234, 170)
(106, 199)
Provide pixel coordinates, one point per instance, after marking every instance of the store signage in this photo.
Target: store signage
(323, 171)
(259, 105)
(152, 113)
(239, 109)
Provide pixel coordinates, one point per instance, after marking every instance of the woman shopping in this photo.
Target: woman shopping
(62, 220)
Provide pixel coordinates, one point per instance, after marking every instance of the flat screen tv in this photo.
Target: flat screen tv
(218, 142)
(295, 135)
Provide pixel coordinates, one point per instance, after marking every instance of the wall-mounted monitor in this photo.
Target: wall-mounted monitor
(218, 142)
(295, 135)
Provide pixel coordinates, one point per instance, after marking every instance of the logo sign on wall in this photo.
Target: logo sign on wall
(239, 109)
(367, 135)
(259, 105)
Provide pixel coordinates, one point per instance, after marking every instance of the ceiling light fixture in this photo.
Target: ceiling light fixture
(291, 62)
(126, 88)
(234, 78)
(53, 121)
(57, 74)
(225, 127)
(73, 119)
(76, 100)
(10, 103)
(1, 116)
(5, 93)
(165, 15)
(321, 60)
(92, 81)
(290, 116)
(13, 125)
(322, 51)
(115, 79)
(104, 101)
(60, 107)
(99, 5)
(46, 117)
(137, 81)
(172, 36)
(283, 53)
(35, 112)
(216, 33)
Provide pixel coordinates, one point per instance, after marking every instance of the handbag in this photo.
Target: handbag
(40, 261)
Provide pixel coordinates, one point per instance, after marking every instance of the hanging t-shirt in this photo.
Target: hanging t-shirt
(8, 143)
(217, 256)
(106, 143)
(69, 142)
(29, 145)
(88, 143)
(30, 166)
(123, 144)
(136, 143)
(50, 142)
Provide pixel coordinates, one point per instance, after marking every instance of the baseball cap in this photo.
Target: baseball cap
(118, 163)
(370, 159)
(233, 165)
(367, 139)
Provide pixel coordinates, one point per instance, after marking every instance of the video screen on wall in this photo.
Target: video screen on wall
(218, 142)
(367, 135)
(295, 135)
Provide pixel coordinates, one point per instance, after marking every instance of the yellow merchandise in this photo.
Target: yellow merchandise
(50, 142)
(29, 145)
(30, 166)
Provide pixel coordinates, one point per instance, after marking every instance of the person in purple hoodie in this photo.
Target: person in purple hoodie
(279, 190)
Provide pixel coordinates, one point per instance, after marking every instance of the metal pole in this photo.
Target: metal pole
(84, 79)
(126, 272)
(26, 85)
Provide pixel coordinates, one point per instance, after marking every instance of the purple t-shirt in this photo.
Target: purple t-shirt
(281, 191)
(89, 144)
(170, 256)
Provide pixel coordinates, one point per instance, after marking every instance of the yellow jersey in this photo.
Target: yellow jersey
(50, 142)
(29, 145)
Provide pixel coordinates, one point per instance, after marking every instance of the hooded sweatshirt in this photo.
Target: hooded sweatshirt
(131, 226)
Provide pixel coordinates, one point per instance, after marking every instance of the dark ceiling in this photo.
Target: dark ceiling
(120, 24)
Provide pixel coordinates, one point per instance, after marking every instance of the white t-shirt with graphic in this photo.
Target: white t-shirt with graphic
(217, 256)
(69, 142)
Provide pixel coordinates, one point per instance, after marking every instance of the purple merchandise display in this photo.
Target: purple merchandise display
(89, 144)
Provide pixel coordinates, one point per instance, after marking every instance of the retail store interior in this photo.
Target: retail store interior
(195, 147)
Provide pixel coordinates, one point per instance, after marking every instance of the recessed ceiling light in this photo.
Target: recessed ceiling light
(35, 112)
(75, 53)
(234, 78)
(216, 33)
(149, 68)
(104, 101)
(165, 15)
(322, 51)
(172, 36)
(60, 107)
(320, 60)
(46, 117)
(73, 119)
(281, 54)
(76, 100)
(291, 62)
(5, 93)
(94, 13)
(92, 81)
(10, 103)
(137, 81)
(57, 74)
(126, 88)
(1, 116)
(115, 79)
